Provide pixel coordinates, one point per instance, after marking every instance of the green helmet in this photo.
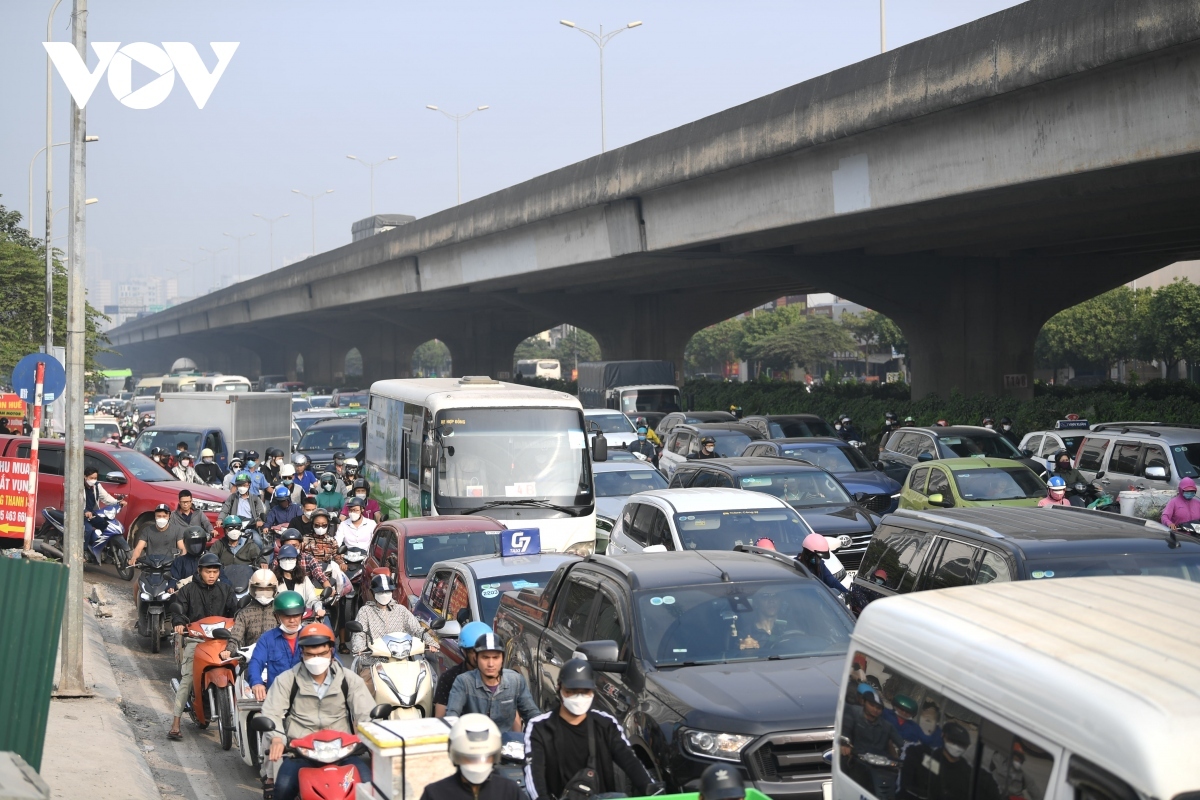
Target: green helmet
(242, 477)
(903, 702)
(232, 521)
(289, 603)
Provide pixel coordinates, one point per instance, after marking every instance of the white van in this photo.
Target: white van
(1059, 689)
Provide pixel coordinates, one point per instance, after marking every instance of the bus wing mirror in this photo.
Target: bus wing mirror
(599, 448)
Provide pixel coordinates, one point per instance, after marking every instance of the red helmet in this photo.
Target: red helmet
(315, 634)
(765, 544)
(816, 543)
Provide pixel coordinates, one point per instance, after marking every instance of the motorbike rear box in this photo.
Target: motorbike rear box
(406, 756)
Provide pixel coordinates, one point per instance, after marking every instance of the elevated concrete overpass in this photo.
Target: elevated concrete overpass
(969, 185)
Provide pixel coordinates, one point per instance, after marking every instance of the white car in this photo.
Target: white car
(710, 519)
(617, 428)
(617, 480)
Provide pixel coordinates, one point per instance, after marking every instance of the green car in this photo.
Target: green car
(967, 482)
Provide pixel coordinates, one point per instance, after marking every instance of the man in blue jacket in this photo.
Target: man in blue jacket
(277, 650)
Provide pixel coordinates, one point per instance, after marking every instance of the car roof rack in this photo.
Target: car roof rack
(614, 564)
(1108, 515)
(939, 519)
(1142, 427)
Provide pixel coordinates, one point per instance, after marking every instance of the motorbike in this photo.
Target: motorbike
(402, 677)
(1095, 495)
(354, 558)
(212, 678)
(249, 742)
(153, 595)
(104, 537)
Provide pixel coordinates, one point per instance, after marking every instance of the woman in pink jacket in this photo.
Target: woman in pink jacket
(1184, 507)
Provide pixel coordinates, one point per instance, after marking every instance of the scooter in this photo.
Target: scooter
(103, 533)
(212, 678)
(402, 676)
(249, 741)
(153, 595)
(354, 558)
(1096, 495)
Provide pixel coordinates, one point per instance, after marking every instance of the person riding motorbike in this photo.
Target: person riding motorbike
(186, 515)
(491, 689)
(317, 694)
(95, 497)
(235, 547)
(321, 543)
(736, 411)
(1006, 430)
(890, 423)
(988, 423)
(183, 469)
(708, 448)
(339, 472)
(815, 551)
(287, 478)
(1070, 476)
(276, 651)
(466, 643)
(329, 498)
(361, 488)
(384, 616)
(304, 476)
(247, 505)
(208, 469)
(1183, 507)
(157, 540)
(475, 744)
(279, 516)
(258, 481)
(302, 519)
(206, 596)
(640, 422)
(195, 540)
(236, 466)
(310, 565)
(1056, 493)
(557, 752)
(355, 530)
(257, 617)
(849, 432)
(271, 465)
(289, 570)
(642, 446)
(159, 456)
(351, 470)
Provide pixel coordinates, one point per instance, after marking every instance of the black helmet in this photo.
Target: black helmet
(489, 642)
(382, 583)
(208, 560)
(290, 535)
(721, 782)
(707, 440)
(355, 502)
(274, 452)
(577, 674)
(252, 455)
(240, 455)
(362, 483)
(339, 457)
(890, 416)
(1061, 453)
(1005, 421)
(194, 539)
(156, 451)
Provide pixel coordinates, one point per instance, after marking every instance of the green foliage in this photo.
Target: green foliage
(1096, 333)
(1171, 324)
(23, 299)
(714, 347)
(807, 342)
(577, 344)
(431, 360)
(877, 333)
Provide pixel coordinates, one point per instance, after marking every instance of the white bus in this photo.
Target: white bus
(478, 446)
(178, 383)
(222, 383)
(539, 368)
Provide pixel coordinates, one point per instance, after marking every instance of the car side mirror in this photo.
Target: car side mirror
(1026, 452)
(115, 477)
(926, 456)
(1099, 474)
(1156, 473)
(940, 501)
(220, 633)
(450, 628)
(600, 448)
(463, 616)
(381, 711)
(353, 626)
(603, 655)
(437, 624)
(655, 548)
(261, 724)
(878, 465)
(860, 497)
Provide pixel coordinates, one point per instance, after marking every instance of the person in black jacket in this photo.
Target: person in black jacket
(474, 749)
(205, 596)
(557, 742)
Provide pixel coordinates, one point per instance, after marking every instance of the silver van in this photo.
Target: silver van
(1152, 455)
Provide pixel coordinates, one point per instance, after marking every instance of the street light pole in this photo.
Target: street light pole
(49, 190)
(213, 253)
(601, 39)
(271, 232)
(458, 118)
(882, 27)
(238, 239)
(313, 199)
(32, 161)
(372, 167)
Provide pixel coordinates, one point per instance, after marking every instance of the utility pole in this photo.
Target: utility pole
(71, 681)
(458, 118)
(600, 39)
(312, 198)
(238, 239)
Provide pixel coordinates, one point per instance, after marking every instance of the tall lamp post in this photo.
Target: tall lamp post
(458, 118)
(882, 27)
(372, 167)
(271, 232)
(238, 239)
(213, 253)
(313, 199)
(193, 264)
(601, 39)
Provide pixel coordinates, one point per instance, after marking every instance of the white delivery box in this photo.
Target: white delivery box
(406, 756)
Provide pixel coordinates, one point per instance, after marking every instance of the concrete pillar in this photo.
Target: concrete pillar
(482, 343)
(318, 352)
(387, 352)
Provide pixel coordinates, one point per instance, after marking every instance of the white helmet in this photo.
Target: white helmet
(263, 585)
(475, 746)
(207, 453)
(287, 471)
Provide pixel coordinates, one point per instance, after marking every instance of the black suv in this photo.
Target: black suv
(908, 446)
(787, 426)
(818, 497)
(917, 550)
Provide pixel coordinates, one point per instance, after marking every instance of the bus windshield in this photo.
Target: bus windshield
(496, 454)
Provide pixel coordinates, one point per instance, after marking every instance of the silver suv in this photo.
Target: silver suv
(1154, 455)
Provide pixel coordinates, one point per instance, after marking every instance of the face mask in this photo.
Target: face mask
(233, 535)
(207, 460)
(289, 630)
(1007, 427)
(578, 704)
(953, 750)
(1188, 495)
(475, 773)
(355, 516)
(243, 490)
(287, 481)
(264, 598)
(92, 481)
(185, 464)
(383, 598)
(278, 461)
(321, 531)
(317, 664)
(308, 513)
(709, 448)
(161, 524)
(928, 726)
(178, 451)
(361, 495)
(288, 564)
(196, 548)
(327, 487)
(641, 437)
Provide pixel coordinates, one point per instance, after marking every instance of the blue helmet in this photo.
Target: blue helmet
(472, 631)
(1057, 483)
(288, 551)
(282, 493)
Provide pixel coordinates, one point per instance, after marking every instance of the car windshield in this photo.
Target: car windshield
(142, 467)
(610, 423)
(666, 400)
(728, 622)
(831, 457)
(993, 446)
(490, 591)
(797, 428)
(347, 437)
(352, 400)
(811, 488)
(422, 552)
(1071, 443)
(729, 443)
(724, 530)
(1184, 565)
(167, 440)
(998, 483)
(300, 404)
(523, 454)
(1187, 459)
(99, 431)
(627, 482)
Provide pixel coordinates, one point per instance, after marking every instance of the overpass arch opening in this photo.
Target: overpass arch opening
(566, 344)
(352, 365)
(432, 359)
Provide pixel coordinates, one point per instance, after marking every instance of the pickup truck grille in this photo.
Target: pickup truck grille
(877, 503)
(851, 555)
(795, 756)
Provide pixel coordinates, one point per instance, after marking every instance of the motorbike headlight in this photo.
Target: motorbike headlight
(326, 752)
(206, 505)
(144, 595)
(581, 549)
(724, 746)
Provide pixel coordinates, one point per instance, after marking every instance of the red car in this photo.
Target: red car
(409, 547)
(123, 471)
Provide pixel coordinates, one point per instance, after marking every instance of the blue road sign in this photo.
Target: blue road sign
(24, 378)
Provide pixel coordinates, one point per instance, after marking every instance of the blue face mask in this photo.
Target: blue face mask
(1188, 495)
(641, 437)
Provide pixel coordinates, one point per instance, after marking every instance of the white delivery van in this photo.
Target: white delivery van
(1059, 689)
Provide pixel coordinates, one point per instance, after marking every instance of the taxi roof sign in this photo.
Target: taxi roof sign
(520, 542)
(1072, 424)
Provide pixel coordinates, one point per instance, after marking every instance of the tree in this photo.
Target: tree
(714, 347)
(875, 332)
(432, 359)
(23, 299)
(806, 343)
(1170, 329)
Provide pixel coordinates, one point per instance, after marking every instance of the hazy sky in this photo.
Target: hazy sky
(314, 81)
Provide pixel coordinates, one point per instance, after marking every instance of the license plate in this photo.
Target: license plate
(827, 790)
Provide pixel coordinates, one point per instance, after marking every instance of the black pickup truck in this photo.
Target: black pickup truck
(732, 657)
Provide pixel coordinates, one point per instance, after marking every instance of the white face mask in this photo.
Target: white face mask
(1007, 427)
(355, 516)
(928, 726)
(953, 750)
(233, 534)
(243, 489)
(264, 598)
(307, 513)
(92, 481)
(475, 773)
(161, 524)
(383, 598)
(321, 531)
(317, 664)
(290, 631)
(577, 704)
(362, 495)
(288, 564)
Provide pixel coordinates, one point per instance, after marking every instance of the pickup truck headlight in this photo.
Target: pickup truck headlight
(725, 746)
(206, 505)
(581, 549)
